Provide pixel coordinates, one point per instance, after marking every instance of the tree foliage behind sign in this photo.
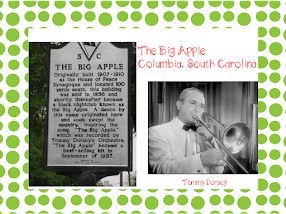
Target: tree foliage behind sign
(38, 85)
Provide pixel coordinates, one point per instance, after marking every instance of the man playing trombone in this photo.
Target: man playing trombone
(182, 146)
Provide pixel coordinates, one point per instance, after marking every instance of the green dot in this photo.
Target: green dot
(262, 184)
(262, 154)
(215, 16)
(262, 32)
(136, 16)
(169, 200)
(2, 171)
(1, 126)
(182, 4)
(13, 64)
(215, 200)
(274, 64)
(274, 187)
(1, 31)
(274, 200)
(274, 154)
(43, 4)
(228, 16)
(89, 4)
(228, 4)
(152, 4)
(284, 34)
(30, 200)
(122, 200)
(275, 110)
(1, 77)
(261, 45)
(122, 3)
(13, 4)
(27, 77)
(76, 200)
(244, 19)
(214, 3)
(122, 16)
(26, 45)
(274, 126)
(151, 203)
(12, 141)
(169, 16)
(275, 77)
(228, 200)
(261, 106)
(12, 80)
(12, 96)
(105, 203)
(26, 123)
(275, 48)
(13, 187)
(13, 126)
(89, 16)
(59, 19)
(13, 172)
(151, 19)
(261, 200)
(198, 203)
(274, 138)
(182, 200)
(261, 168)
(136, 200)
(43, 16)
(26, 168)
(30, 16)
(43, 200)
(12, 35)
(2, 109)
(26, 185)
(262, 123)
(106, 4)
(244, 4)
(262, 93)
(136, 4)
(168, 3)
(274, 4)
(12, 19)
(76, 3)
(43, 190)
(275, 171)
(12, 157)
(27, 138)
(27, 154)
(262, 62)
(60, 190)
(59, 203)
(244, 203)
(274, 31)
(105, 19)
(199, 4)
(25, 107)
(76, 16)
(284, 96)
(2, 48)
(13, 50)
(274, 93)
(12, 203)
(30, 3)
(60, 4)
(26, 93)
(198, 19)
(14, 111)
(26, 31)
(261, 16)
(182, 16)
(274, 16)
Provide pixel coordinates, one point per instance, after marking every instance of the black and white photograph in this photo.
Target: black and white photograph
(202, 127)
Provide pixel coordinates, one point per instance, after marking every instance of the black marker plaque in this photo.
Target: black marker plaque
(88, 106)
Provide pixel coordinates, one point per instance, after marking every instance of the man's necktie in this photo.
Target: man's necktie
(191, 126)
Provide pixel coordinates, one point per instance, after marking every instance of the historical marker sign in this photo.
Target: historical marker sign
(88, 106)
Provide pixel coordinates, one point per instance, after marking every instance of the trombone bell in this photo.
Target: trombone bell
(236, 137)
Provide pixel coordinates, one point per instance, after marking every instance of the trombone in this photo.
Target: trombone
(235, 138)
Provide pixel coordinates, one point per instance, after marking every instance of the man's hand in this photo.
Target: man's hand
(213, 157)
